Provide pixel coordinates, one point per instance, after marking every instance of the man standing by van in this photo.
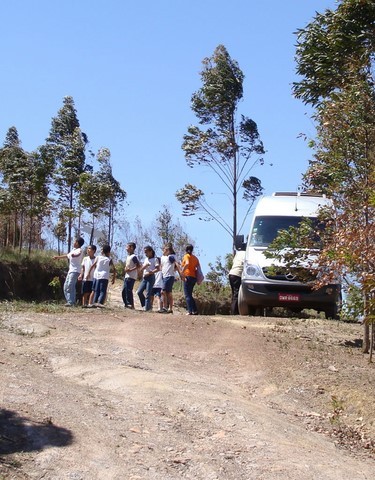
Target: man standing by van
(235, 275)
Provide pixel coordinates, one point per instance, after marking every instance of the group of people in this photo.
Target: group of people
(157, 276)
(94, 272)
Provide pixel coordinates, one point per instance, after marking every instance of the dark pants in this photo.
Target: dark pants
(146, 284)
(100, 290)
(127, 292)
(188, 292)
(235, 283)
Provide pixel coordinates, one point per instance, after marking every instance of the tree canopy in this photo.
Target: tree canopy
(230, 148)
(54, 188)
(335, 58)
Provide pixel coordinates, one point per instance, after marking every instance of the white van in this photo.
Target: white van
(263, 286)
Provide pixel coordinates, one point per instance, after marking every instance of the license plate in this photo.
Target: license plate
(289, 297)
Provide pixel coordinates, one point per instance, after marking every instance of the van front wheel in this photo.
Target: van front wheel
(243, 307)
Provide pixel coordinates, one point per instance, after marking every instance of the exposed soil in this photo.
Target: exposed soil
(119, 394)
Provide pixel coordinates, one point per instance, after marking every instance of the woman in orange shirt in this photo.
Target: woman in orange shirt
(189, 267)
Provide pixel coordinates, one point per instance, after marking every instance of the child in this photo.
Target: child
(149, 268)
(102, 266)
(131, 275)
(156, 289)
(75, 258)
(168, 267)
(87, 280)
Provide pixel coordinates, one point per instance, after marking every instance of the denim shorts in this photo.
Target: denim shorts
(156, 292)
(168, 284)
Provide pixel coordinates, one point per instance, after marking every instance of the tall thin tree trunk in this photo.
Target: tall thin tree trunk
(110, 224)
(30, 234)
(15, 231)
(234, 186)
(7, 235)
(70, 222)
(366, 330)
(21, 231)
(92, 230)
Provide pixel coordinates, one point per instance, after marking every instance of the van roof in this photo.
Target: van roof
(291, 205)
(298, 194)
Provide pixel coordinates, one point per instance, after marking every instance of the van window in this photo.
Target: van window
(266, 228)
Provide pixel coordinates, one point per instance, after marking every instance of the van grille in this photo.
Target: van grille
(273, 273)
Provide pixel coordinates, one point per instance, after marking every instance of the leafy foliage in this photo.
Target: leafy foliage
(329, 45)
(24, 197)
(65, 147)
(335, 57)
(219, 272)
(101, 193)
(226, 147)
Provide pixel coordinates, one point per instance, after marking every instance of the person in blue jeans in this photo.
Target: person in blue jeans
(150, 267)
(131, 275)
(75, 260)
(189, 267)
(103, 265)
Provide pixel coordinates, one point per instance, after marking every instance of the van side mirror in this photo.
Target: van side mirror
(239, 243)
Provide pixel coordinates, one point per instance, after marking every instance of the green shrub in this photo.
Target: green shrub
(211, 298)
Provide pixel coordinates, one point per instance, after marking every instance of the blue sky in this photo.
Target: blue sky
(132, 67)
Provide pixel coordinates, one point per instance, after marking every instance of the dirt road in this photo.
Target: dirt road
(119, 394)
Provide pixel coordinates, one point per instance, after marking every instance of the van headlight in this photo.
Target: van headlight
(252, 271)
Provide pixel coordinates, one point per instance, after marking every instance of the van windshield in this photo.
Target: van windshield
(266, 228)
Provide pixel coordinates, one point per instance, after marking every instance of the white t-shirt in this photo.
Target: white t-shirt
(168, 263)
(158, 280)
(75, 262)
(102, 267)
(86, 264)
(238, 262)
(131, 262)
(151, 264)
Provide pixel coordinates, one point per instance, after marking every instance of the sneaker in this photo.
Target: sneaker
(188, 313)
(169, 311)
(68, 305)
(162, 310)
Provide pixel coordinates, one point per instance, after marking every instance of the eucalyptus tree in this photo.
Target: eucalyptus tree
(170, 230)
(335, 59)
(14, 172)
(228, 146)
(101, 193)
(65, 147)
(27, 179)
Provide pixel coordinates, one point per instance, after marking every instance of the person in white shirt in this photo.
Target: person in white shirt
(75, 260)
(86, 276)
(168, 265)
(150, 267)
(131, 275)
(235, 274)
(156, 289)
(102, 266)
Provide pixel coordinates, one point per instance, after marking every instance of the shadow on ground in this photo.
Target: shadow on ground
(18, 434)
